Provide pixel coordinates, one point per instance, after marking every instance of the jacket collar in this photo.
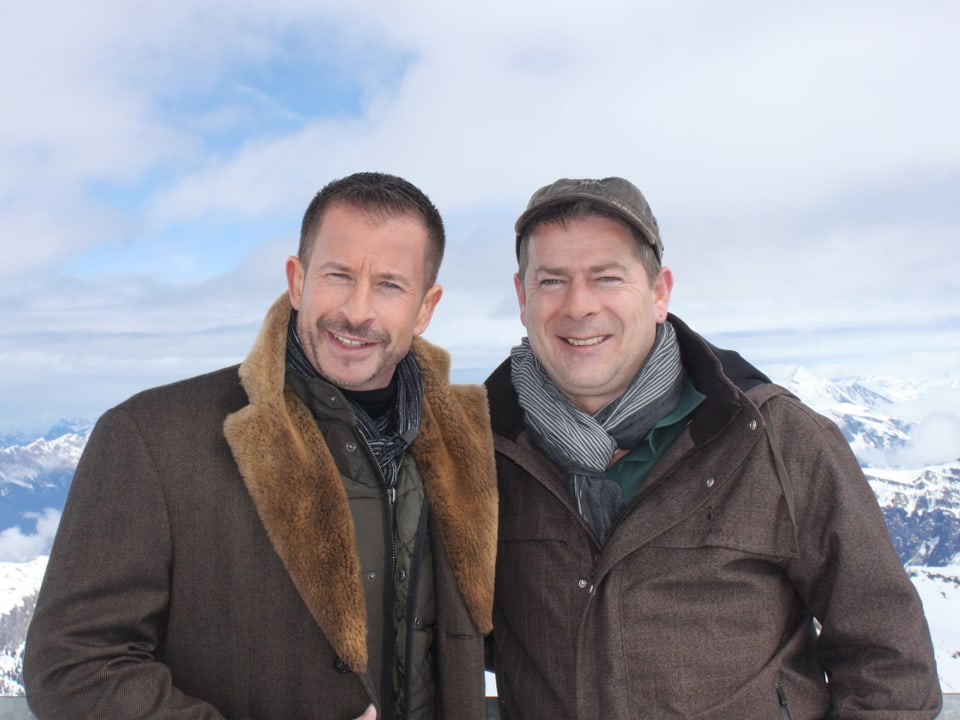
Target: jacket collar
(295, 485)
(716, 375)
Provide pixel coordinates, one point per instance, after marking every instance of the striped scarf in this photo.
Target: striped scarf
(584, 445)
(390, 434)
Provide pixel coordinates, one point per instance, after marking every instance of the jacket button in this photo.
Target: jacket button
(752, 424)
(340, 666)
(371, 576)
(709, 482)
(582, 584)
(401, 574)
(351, 446)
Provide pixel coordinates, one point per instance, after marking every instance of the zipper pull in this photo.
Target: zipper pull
(782, 697)
(392, 495)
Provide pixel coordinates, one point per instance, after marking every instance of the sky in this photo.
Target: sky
(803, 162)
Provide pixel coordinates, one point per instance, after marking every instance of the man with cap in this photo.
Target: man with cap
(678, 537)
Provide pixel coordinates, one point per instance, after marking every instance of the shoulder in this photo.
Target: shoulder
(811, 444)
(506, 415)
(223, 380)
(780, 407)
(184, 403)
(453, 402)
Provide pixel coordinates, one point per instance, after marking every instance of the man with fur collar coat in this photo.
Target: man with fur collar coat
(310, 535)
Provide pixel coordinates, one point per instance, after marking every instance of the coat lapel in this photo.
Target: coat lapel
(296, 487)
(454, 453)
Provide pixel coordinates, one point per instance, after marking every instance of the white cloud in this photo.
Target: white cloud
(17, 546)
(936, 440)
(935, 435)
(802, 162)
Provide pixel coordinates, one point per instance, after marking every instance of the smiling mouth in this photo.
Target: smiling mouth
(585, 342)
(347, 342)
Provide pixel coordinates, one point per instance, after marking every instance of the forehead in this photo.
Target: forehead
(345, 229)
(593, 238)
(350, 239)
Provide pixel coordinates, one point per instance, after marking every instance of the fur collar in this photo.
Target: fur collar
(296, 487)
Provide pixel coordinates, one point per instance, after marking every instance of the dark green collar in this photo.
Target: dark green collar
(632, 469)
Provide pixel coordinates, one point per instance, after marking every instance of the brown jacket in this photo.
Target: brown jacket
(205, 565)
(701, 603)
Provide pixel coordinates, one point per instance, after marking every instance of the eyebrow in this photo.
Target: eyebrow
(393, 277)
(593, 269)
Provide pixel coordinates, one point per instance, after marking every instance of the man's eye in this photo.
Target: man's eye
(550, 282)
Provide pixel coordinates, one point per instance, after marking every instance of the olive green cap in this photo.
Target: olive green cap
(615, 194)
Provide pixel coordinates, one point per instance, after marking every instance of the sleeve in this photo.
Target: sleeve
(874, 643)
(101, 611)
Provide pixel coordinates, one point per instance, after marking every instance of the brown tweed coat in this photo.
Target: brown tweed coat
(701, 603)
(205, 565)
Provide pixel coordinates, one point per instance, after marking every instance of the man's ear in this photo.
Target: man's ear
(521, 298)
(294, 281)
(662, 288)
(427, 306)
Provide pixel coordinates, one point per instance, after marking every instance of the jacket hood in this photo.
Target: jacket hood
(296, 487)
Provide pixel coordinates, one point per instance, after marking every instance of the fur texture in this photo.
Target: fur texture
(296, 487)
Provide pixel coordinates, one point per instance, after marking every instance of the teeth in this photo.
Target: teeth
(348, 342)
(589, 341)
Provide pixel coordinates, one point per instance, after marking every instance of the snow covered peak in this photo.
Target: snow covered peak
(824, 395)
(31, 464)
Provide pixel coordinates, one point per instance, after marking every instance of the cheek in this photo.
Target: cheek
(396, 319)
(532, 312)
(324, 301)
(311, 299)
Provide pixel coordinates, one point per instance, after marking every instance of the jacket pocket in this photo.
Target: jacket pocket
(750, 515)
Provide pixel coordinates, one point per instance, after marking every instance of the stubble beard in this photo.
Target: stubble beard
(316, 338)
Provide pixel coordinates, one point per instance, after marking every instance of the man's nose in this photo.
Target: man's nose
(580, 300)
(358, 305)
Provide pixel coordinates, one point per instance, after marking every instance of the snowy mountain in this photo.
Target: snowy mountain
(939, 589)
(19, 585)
(906, 436)
(36, 475)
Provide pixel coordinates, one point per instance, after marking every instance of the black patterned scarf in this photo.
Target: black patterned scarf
(390, 434)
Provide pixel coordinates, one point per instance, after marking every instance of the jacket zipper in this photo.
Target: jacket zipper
(391, 495)
(413, 598)
(782, 698)
(389, 639)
